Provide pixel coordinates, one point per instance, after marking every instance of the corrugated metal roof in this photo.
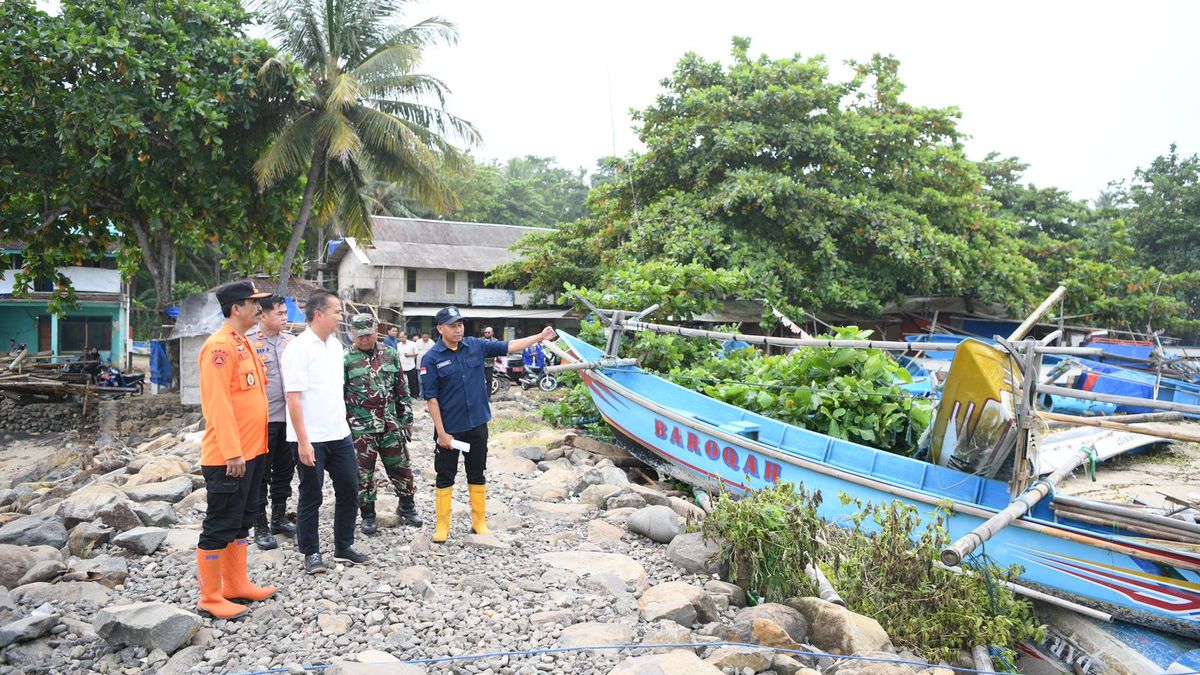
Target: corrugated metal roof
(437, 244)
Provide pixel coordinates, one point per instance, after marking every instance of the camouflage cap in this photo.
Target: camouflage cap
(362, 324)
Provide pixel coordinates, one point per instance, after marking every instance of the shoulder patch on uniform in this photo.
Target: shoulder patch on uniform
(219, 357)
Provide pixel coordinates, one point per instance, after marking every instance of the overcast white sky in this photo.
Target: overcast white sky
(1084, 92)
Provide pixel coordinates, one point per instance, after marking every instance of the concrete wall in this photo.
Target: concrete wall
(431, 288)
(19, 321)
(189, 369)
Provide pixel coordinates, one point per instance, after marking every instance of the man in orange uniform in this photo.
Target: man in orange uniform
(233, 396)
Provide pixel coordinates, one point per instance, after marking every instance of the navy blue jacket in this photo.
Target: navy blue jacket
(455, 379)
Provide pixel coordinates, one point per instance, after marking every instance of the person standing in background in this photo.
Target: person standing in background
(489, 365)
(269, 340)
(409, 358)
(317, 431)
(423, 346)
(392, 334)
(233, 398)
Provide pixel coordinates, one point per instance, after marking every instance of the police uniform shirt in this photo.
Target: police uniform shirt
(269, 349)
(455, 379)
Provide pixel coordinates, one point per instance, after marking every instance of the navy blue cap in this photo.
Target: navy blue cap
(239, 291)
(447, 315)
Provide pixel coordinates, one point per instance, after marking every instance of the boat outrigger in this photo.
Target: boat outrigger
(1102, 560)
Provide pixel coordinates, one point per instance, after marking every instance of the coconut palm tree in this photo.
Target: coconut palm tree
(366, 114)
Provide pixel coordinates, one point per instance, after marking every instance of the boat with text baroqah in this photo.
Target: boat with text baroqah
(1143, 578)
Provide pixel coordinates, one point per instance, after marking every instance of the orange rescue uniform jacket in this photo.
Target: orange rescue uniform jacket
(233, 396)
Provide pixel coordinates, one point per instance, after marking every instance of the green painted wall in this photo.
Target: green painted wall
(19, 321)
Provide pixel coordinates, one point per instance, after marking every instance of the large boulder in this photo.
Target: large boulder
(595, 635)
(735, 596)
(770, 625)
(74, 593)
(155, 514)
(159, 469)
(666, 633)
(677, 662)
(625, 500)
(658, 523)
(142, 540)
(603, 532)
(836, 630)
(32, 627)
(597, 495)
(150, 625)
(740, 658)
(686, 510)
(103, 569)
(120, 516)
(563, 512)
(44, 529)
(600, 475)
(696, 555)
(552, 484)
(172, 490)
(676, 601)
(43, 570)
(87, 504)
(85, 537)
(589, 563)
(15, 561)
(650, 495)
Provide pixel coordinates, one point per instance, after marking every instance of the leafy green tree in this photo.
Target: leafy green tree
(134, 123)
(366, 114)
(1048, 211)
(822, 193)
(1163, 207)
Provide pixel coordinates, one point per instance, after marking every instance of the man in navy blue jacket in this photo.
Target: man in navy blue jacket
(453, 383)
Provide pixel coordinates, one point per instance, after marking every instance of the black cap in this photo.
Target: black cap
(238, 291)
(447, 315)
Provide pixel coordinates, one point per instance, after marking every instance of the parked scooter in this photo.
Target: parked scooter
(112, 378)
(538, 377)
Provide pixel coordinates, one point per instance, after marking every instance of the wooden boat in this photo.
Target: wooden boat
(1148, 580)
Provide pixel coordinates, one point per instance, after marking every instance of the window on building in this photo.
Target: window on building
(410, 281)
(43, 286)
(77, 332)
(451, 284)
(475, 280)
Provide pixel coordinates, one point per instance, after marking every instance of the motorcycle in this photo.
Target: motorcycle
(505, 372)
(538, 377)
(112, 378)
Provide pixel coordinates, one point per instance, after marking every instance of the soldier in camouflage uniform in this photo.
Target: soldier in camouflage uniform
(379, 410)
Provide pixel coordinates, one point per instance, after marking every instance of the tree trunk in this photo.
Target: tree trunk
(159, 258)
(310, 188)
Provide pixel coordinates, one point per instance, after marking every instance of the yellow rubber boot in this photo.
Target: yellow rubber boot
(235, 581)
(442, 505)
(208, 575)
(478, 509)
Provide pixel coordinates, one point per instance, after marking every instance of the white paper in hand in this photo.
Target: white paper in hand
(461, 446)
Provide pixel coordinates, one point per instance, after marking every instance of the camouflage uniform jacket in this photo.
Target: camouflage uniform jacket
(377, 398)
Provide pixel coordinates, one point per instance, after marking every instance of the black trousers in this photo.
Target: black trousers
(278, 468)
(445, 460)
(232, 506)
(414, 382)
(488, 374)
(338, 459)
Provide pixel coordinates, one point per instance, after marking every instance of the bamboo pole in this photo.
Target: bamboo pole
(1055, 390)
(953, 554)
(889, 345)
(1102, 423)
(981, 657)
(1107, 520)
(1148, 417)
(591, 365)
(1038, 313)
(825, 590)
(1128, 513)
(1038, 595)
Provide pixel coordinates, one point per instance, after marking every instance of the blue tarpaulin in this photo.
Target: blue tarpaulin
(172, 311)
(295, 314)
(161, 372)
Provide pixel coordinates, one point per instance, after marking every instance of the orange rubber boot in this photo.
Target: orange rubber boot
(208, 575)
(235, 582)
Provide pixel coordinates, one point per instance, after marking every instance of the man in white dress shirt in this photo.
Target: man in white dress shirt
(317, 431)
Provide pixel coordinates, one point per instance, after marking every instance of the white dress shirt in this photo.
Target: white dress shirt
(316, 369)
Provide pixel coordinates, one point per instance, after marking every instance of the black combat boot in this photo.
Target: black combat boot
(368, 526)
(407, 511)
(280, 523)
(262, 534)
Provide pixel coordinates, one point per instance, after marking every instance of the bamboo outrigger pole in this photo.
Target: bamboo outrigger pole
(953, 554)
(1102, 423)
(1032, 319)
(1132, 401)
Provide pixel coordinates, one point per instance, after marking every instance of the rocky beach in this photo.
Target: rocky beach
(97, 568)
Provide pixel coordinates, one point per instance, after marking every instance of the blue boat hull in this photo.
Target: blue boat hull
(718, 446)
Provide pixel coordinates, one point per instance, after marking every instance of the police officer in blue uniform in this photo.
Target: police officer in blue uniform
(453, 383)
